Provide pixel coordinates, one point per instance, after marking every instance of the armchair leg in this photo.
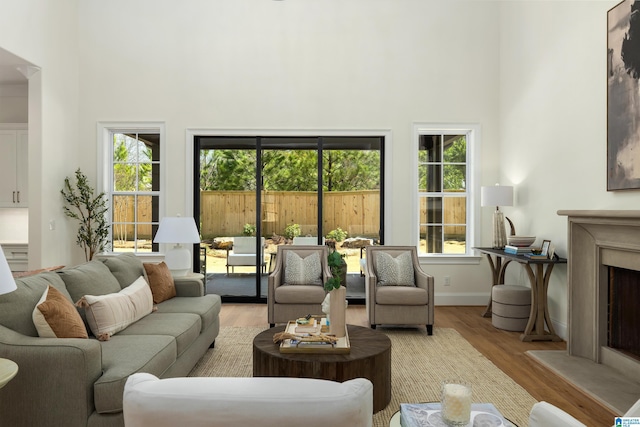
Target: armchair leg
(271, 325)
(373, 326)
(429, 329)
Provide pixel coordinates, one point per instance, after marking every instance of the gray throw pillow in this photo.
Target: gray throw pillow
(302, 271)
(396, 271)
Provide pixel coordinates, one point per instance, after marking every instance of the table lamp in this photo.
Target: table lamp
(8, 368)
(497, 195)
(7, 284)
(177, 230)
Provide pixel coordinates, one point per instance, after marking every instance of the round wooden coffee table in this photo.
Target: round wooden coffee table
(370, 358)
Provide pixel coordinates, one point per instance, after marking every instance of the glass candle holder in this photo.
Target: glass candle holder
(456, 402)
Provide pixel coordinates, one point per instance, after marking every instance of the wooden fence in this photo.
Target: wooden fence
(225, 213)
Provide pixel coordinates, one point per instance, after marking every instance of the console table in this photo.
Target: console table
(539, 272)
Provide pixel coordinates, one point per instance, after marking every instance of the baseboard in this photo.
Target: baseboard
(442, 298)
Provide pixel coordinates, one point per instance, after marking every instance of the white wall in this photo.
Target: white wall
(44, 33)
(313, 64)
(553, 106)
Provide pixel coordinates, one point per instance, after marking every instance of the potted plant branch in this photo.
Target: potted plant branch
(337, 294)
(89, 210)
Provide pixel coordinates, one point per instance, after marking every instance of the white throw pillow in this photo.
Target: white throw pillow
(396, 271)
(302, 271)
(111, 313)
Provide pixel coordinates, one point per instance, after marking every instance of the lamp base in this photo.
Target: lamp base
(178, 259)
(499, 231)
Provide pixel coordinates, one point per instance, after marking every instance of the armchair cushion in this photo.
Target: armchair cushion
(401, 295)
(303, 271)
(299, 294)
(396, 271)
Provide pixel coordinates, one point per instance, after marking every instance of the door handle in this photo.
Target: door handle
(18, 197)
(14, 197)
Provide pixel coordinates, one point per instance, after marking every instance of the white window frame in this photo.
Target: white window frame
(105, 165)
(474, 138)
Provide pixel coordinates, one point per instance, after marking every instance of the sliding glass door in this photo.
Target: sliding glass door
(313, 190)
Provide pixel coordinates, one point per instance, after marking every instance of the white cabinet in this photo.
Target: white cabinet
(17, 256)
(13, 168)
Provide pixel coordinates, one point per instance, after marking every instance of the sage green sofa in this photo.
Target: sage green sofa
(80, 382)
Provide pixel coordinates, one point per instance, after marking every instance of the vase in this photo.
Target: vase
(338, 311)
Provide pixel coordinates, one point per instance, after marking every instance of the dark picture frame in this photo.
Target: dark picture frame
(623, 99)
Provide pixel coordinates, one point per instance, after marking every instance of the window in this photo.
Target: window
(133, 185)
(444, 169)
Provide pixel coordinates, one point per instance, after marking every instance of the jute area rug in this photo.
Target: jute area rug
(419, 363)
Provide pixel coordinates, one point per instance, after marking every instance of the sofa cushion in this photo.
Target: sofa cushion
(55, 316)
(160, 281)
(299, 294)
(16, 308)
(401, 295)
(91, 278)
(111, 313)
(207, 307)
(124, 355)
(126, 268)
(303, 271)
(184, 327)
(396, 271)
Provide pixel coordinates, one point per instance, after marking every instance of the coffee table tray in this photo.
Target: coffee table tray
(341, 347)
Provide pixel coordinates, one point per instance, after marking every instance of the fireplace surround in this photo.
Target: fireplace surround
(597, 241)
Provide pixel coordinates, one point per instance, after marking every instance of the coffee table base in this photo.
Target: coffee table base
(370, 358)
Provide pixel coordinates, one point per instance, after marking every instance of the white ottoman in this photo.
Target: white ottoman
(510, 307)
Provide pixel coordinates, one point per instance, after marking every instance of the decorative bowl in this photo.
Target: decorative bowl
(521, 241)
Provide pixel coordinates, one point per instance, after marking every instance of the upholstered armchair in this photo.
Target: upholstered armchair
(397, 291)
(296, 285)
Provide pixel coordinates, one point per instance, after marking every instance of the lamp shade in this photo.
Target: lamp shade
(496, 195)
(7, 284)
(177, 229)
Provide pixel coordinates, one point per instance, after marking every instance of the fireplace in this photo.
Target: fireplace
(623, 330)
(603, 344)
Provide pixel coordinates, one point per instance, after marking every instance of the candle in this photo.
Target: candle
(456, 404)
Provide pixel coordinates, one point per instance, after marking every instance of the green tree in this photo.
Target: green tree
(454, 174)
(290, 170)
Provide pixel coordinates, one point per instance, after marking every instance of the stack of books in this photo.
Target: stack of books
(429, 414)
(536, 256)
(517, 250)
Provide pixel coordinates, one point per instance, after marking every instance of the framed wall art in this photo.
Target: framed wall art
(623, 96)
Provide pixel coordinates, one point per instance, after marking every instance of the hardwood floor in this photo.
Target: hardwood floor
(503, 348)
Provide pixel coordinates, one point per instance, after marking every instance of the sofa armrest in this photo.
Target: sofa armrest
(53, 373)
(189, 286)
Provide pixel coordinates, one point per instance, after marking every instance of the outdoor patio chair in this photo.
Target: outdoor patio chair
(397, 291)
(243, 253)
(295, 287)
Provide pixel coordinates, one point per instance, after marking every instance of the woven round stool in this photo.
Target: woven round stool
(510, 307)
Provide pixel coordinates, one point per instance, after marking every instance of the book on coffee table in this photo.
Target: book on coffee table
(429, 415)
(300, 345)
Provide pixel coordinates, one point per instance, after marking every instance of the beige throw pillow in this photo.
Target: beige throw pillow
(396, 271)
(160, 281)
(111, 313)
(56, 317)
(302, 271)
